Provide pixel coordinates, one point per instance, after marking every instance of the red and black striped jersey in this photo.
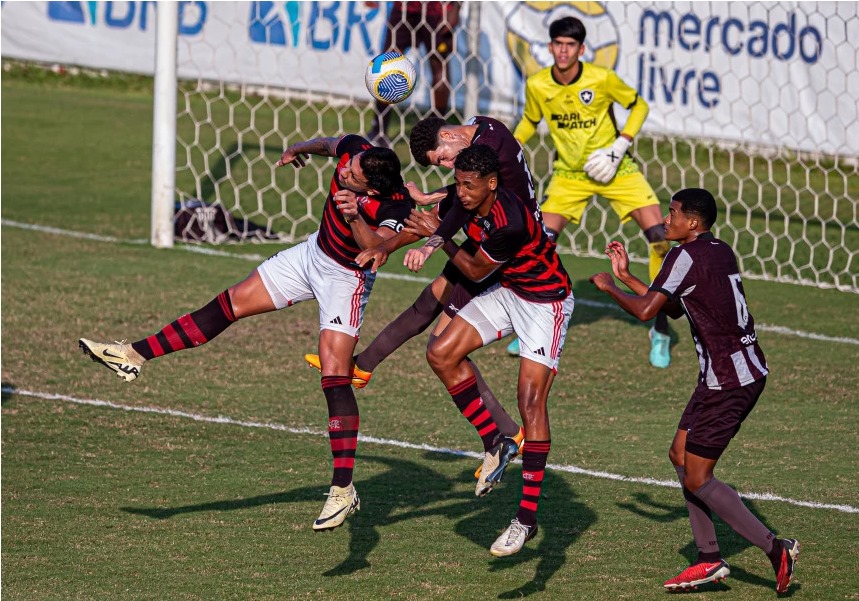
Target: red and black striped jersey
(703, 275)
(335, 235)
(513, 238)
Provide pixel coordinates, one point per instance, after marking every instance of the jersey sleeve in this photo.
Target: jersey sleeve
(502, 245)
(531, 116)
(393, 214)
(674, 275)
(629, 99)
(455, 217)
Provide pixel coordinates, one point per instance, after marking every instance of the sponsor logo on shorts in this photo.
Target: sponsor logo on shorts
(749, 339)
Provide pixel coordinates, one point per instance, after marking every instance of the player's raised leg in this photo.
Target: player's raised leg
(246, 298)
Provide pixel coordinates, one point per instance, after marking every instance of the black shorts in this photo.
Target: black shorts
(463, 288)
(414, 30)
(713, 417)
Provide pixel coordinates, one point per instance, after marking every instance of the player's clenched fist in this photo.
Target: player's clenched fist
(416, 257)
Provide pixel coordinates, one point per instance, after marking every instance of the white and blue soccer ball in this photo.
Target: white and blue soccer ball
(391, 77)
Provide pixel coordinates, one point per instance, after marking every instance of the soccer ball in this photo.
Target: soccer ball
(390, 77)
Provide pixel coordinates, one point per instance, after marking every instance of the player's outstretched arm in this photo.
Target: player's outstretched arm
(298, 152)
(425, 199)
(643, 307)
(378, 255)
(620, 267)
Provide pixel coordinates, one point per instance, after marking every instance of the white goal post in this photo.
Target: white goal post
(164, 125)
(755, 101)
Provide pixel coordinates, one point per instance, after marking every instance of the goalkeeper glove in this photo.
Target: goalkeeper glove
(603, 162)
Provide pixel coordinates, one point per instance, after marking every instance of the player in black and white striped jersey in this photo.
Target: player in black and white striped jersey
(700, 278)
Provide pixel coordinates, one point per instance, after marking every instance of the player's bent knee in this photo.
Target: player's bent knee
(695, 481)
(438, 361)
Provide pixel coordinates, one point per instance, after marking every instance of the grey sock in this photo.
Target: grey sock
(726, 503)
(703, 530)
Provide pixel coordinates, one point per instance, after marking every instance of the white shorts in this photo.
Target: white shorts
(541, 327)
(304, 272)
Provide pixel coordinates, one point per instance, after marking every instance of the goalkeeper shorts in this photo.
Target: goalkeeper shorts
(569, 196)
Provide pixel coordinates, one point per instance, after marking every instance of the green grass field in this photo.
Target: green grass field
(200, 480)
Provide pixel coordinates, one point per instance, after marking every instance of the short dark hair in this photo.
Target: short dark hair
(424, 138)
(567, 27)
(382, 169)
(698, 201)
(480, 158)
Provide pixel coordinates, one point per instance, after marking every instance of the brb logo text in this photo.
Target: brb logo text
(126, 15)
(320, 25)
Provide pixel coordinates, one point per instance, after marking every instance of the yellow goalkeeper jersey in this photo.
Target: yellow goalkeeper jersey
(579, 114)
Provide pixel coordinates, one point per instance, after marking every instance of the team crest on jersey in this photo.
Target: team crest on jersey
(586, 96)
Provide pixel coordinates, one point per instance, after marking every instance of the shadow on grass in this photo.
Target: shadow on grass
(730, 543)
(562, 517)
(407, 490)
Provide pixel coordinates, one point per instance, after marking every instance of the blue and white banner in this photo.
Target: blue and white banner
(775, 74)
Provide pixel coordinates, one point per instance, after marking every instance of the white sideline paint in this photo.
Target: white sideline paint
(221, 419)
(390, 276)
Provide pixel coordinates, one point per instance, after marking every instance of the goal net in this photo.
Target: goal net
(754, 101)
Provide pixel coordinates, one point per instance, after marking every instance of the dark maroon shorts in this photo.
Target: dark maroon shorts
(414, 30)
(713, 417)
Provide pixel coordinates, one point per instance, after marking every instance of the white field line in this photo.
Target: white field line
(391, 276)
(221, 419)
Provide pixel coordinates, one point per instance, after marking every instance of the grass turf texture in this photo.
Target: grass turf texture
(102, 503)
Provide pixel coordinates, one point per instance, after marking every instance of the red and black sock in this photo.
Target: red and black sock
(190, 330)
(534, 456)
(467, 399)
(343, 423)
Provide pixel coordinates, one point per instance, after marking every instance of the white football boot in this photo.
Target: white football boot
(513, 539)
(495, 461)
(119, 357)
(342, 502)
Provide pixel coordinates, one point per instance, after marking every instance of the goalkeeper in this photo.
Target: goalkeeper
(576, 99)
